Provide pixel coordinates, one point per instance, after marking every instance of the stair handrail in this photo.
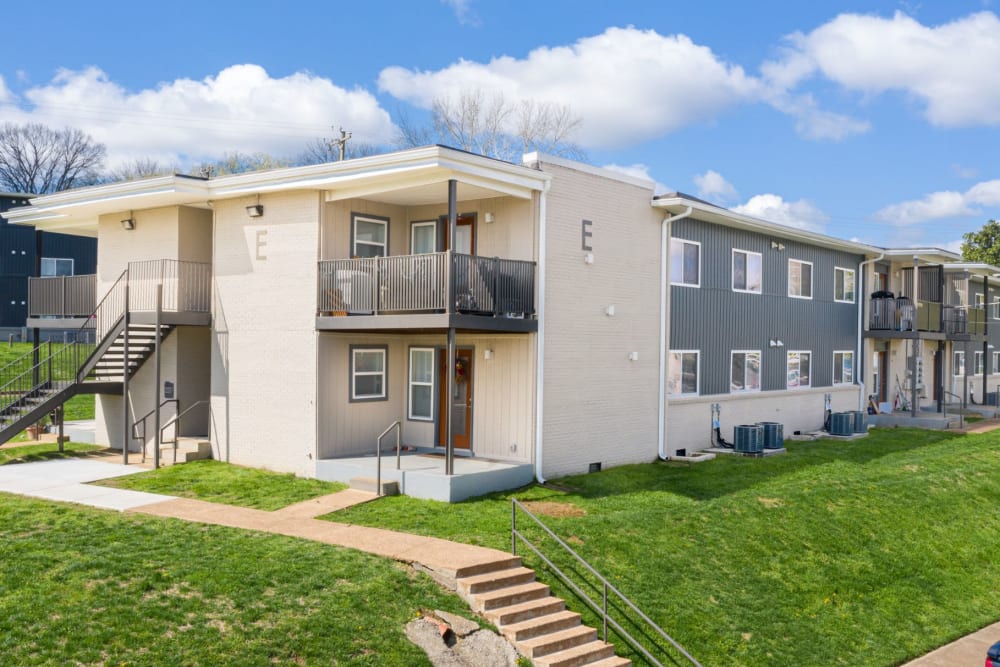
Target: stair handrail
(53, 368)
(378, 453)
(944, 408)
(93, 320)
(176, 419)
(141, 421)
(600, 609)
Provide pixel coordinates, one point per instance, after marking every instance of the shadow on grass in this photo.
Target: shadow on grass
(44, 452)
(731, 474)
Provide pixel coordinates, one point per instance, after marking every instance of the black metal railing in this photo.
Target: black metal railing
(608, 591)
(62, 296)
(432, 282)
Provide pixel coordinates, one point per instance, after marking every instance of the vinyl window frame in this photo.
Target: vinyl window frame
(798, 361)
(416, 224)
(54, 263)
(958, 363)
(760, 371)
(801, 262)
(354, 374)
(854, 284)
(410, 383)
(978, 363)
(672, 367)
(838, 369)
(682, 282)
(995, 363)
(995, 308)
(760, 276)
(374, 219)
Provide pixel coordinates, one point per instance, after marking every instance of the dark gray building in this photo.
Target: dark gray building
(23, 253)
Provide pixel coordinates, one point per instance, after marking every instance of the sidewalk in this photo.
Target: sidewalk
(969, 651)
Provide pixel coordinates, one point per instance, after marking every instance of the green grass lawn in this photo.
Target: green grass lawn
(219, 482)
(90, 587)
(865, 552)
(43, 452)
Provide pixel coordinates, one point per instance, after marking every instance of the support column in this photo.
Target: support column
(916, 341)
(60, 412)
(986, 340)
(939, 367)
(449, 461)
(125, 423)
(156, 386)
(452, 230)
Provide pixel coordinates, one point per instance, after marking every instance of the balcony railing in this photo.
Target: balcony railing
(62, 296)
(427, 283)
(888, 314)
(187, 287)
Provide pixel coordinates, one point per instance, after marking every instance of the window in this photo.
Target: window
(746, 271)
(53, 266)
(368, 373)
(683, 373)
(800, 279)
(843, 367)
(958, 363)
(685, 262)
(995, 365)
(798, 369)
(421, 383)
(369, 236)
(423, 237)
(979, 360)
(744, 373)
(995, 308)
(843, 285)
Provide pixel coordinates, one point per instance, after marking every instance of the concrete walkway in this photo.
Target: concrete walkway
(969, 651)
(66, 480)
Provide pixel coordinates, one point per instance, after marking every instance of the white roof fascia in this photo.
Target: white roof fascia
(725, 216)
(603, 172)
(927, 254)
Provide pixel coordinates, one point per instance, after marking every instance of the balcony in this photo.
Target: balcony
(432, 291)
(900, 318)
(67, 302)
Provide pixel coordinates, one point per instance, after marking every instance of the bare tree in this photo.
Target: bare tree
(36, 159)
(492, 125)
(140, 168)
(322, 150)
(238, 163)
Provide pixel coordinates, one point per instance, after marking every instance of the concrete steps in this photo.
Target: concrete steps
(370, 484)
(538, 624)
(188, 449)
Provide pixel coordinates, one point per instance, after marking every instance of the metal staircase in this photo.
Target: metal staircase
(36, 384)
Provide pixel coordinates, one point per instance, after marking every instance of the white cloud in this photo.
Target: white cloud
(812, 122)
(801, 214)
(942, 204)
(953, 246)
(963, 171)
(639, 170)
(6, 97)
(463, 11)
(242, 108)
(713, 186)
(952, 69)
(649, 84)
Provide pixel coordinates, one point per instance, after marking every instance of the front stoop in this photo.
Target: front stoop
(538, 624)
(188, 449)
(370, 484)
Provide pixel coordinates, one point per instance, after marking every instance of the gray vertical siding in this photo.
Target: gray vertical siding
(716, 320)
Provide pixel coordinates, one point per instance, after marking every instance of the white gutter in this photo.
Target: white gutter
(861, 312)
(540, 337)
(665, 224)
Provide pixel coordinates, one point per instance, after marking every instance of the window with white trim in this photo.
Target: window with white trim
(368, 382)
(995, 308)
(979, 360)
(843, 285)
(958, 363)
(843, 367)
(685, 263)
(995, 366)
(369, 236)
(744, 371)
(56, 266)
(800, 279)
(798, 369)
(747, 271)
(423, 237)
(421, 405)
(682, 373)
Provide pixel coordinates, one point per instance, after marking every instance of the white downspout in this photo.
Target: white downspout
(661, 441)
(540, 337)
(861, 312)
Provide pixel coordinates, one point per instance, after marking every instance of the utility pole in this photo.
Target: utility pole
(340, 144)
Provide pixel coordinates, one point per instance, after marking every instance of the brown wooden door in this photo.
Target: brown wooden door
(465, 233)
(460, 399)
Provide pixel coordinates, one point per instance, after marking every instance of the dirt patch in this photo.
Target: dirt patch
(911, 468)
(549, 508)
(771, 503)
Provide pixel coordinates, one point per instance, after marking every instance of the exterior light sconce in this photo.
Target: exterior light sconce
(487, 354)
(775, 342)
(610, 310)
(128, 224)
(777, 246)
(489, 218)
(588, 258)
(255, 211)
(633, 356)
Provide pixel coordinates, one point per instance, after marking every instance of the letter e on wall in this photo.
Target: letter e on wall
(261, 244)
(586, 235)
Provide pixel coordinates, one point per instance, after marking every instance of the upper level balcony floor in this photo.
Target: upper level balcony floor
(890, 317)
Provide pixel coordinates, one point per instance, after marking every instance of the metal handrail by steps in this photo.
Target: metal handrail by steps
(176, 419)
(961, 412)
(602, 608)
(378, 454)
(141, 421)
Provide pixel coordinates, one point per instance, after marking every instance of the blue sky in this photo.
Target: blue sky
(868, 120)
